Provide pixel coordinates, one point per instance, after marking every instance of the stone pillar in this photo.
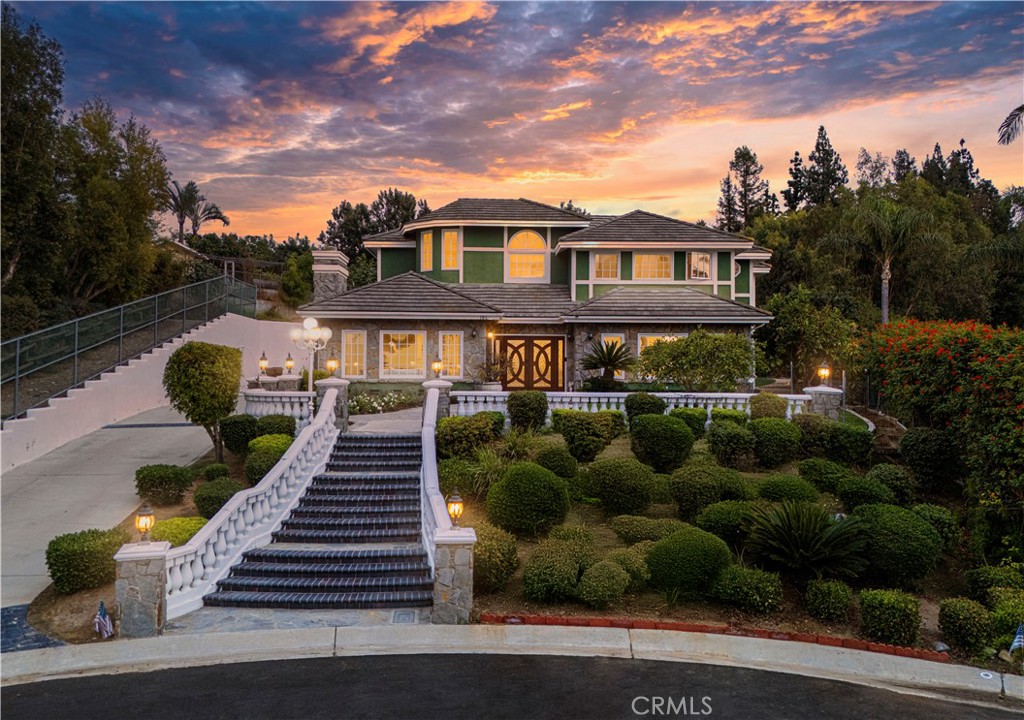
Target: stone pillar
(444, 400)
(141, 588)
(453, 576)
(827, 401)
(341, 406)
(330, 274)
(289, 382)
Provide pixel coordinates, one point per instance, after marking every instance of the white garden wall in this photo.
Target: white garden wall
(137, 387)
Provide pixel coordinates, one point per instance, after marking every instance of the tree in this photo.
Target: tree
(181, 202)
(568, 206)
(393, 208)
(201, 381)
(826, 173)
(297, 279)
(609, 358)
(700, 362)
(961, 175)
(795, 193)
(904, 165)
(349, 223)
(362, 270)
(751, 191)
(205, 211)
(1011, 127)
(872, 171)
(934, 169)
(728, 211)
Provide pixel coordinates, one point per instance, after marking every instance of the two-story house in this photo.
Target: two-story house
(537, 285)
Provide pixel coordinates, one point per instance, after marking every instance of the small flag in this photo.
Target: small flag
(1018, 641)
(101, 623)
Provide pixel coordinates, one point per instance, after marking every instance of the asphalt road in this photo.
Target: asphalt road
(452, 687)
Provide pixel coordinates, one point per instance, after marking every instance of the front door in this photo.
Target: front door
(533, 363)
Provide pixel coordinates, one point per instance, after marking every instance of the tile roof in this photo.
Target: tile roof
(522, 300)
(640, 226)
(500, 209)
(675, 303)
(406, 295)
(386, 236)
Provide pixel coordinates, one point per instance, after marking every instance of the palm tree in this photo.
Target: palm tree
(609, 357)
(181, 202)
(205, 211)
(1012, 126)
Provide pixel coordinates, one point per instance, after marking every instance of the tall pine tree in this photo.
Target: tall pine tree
(904, 165)
(728, 210)
(826, 173)
(934, 169)
(796, 191)
(751, 191)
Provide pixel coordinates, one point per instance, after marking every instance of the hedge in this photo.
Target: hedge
(177, 531)
(737, 417)
(965, 624)
(902, 547)
(583, 433)
(276, 425)
(162, 484)
(858, 490)
(661, 441)
(695, 419)
(642, 403)
(697, 485)
(828, 600)
(889, 616)
(932, 456)
(767, 405)
(634, 561)
(527, 409)
(529, 499)
(459, 436)
(611, 422)
(552, 572)
(211, 496)
(787, 487)
(497, 419)
(730, 443)
(216, 470)
(776, 441)
(636, 528)
(495, 558)
(278, 443)
(896, 479)
(726, 519)
(687, 563)
(456, 474)
(236, 432)
(823, 474)
(980, 580)
(749, 589)
(941, 519)
(83, 560)
(821, 437)
(622, 484)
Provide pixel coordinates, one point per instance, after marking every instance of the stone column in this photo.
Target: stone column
(453, 576)
(444, 400)
(825, 400)
(330, 274)
(141, 588)
(341, 406)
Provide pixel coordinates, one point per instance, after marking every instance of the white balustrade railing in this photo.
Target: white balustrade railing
(250, 517)
(292, 403)
(433, 509)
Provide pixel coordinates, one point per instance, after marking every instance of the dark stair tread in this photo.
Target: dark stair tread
(326, 490)
(308, 601)
(341, 499)
(289, 554)
(355, 523)
(350, 536)
(304, 510)
(267, 583)
(394, 476)
(286, 569)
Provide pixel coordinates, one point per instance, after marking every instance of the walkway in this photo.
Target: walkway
(408, 421)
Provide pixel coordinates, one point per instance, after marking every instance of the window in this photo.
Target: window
(451, 354)
(450, 250)
(615, 339)
(698, 266)
(353, 353)
(427, 251)
(644, 340)
(652, 266)
(527, 256)
(401, 355)
(606, 266)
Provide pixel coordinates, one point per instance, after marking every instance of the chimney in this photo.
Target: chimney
(330, 274)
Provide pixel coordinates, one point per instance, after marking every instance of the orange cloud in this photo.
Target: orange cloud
(563, 111)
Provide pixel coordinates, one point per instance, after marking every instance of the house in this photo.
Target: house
(480, 279)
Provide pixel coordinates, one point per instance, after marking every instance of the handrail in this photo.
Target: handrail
(293, 403)
(250, 516)
(434, 512)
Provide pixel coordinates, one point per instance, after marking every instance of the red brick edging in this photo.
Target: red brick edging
(630, 624)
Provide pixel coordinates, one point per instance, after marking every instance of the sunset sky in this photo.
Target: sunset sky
(282, 110)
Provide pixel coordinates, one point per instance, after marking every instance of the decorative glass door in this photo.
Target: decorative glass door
(533, 363)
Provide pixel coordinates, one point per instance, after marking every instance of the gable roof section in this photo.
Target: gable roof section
(406, 296)
(523, 301)
(643, 228)
(498, 211)
(669, 304)
(388, 239)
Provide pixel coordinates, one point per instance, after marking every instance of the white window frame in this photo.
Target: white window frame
(462, 352)
(593, 265)
(621, 337)
(458, 249)
(425, 237)
(546, 252)
(711, 268)
(671, 266)
(344, 353)
(380, 370)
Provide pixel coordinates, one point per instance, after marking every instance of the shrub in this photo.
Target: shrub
(749, 589)
(981, 579)
(930, 454)
(517, 444)
(612, 422)
(661, 489)
(558, 460)
(787, 487)
(528, 499)
(939, 518)
(767, 405)
(731, 444)
(776, 441)
(177, 531)
(828, 600)
(889, 616)
(726, 519)
(490, 468)
(271, 443)
(823, 474)
(583, 434)
(965, 624)
(276, 425)
(497, 419)
(1001, 595)
(201, 381)
(697, 485)
(634, 561)
(660, 441)
(552, 572)
(814, 430)
(695, 419)
(622, 484)
(258, 464)
(82, 560)
(737, 417)
(579, 487)
(803, 539)
(902, 547)
(642, 403)
(602, 584)
(687, 562)
(527, 409)
(237, 431)
(848, 443)
(456, 473)
(459, 436)
(857, 490)
(210, 497)
(495, 558)
(734, 486)
(162, 484)
(216, 470)
(1006, 615)
(636, 528)
(896, 479)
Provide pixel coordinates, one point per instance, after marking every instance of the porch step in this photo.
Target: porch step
(321, 600)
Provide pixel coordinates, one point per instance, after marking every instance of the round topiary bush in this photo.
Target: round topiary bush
(527, 409)
(889, 616)
(558, 460)
(497, 419)
(276, 425)
(687, 562)
(661, 441)
(460, 436)
(823, 474)
(237, 431)
(777, 488)
(642, 403)
(726, 519)
(82, 560)
(258, 463)
(828, 600)
(776, 441)
(941, 519)
(965, 624)
(731, 444)
(749, 589)
(931, 456)
(634, 561)
(612, 422)
(695, 419)
(528, 500)
(271, 443)
(495, 558)
(737, 417)
(857, 490)
(211, 496)
(162, 484)
(552, 572)
(583, 432)
(622, 484)
(696, 486)
(981, 580)
(902, 547)
(216, 470)
(896, 479)
(602, 584)
(177, 531)
(456, 474)
(637, 528)
(767, 405)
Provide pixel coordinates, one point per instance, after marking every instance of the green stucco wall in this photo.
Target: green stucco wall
(582, 292)
(680, 266)
(492, 237)
(626, 265)
(483, 267)
(724, 266)
(582, 264)
(395, 261)
(743, 279)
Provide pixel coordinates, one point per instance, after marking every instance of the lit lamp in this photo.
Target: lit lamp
(310, 337)
(264, 363)
(436, 367)
(289, 363)
(455, 507)
(144, 520)
(824, 372)
(331, 364)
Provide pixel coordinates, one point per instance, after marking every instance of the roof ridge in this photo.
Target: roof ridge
(552, 207)
(686, 223)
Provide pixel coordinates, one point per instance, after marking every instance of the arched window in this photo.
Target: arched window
(527, 257)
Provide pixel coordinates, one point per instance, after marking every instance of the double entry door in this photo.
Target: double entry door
(533, 362)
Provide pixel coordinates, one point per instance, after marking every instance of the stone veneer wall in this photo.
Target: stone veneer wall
(453, 584)
(141, 589)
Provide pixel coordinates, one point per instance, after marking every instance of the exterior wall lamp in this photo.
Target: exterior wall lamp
(289, 363)
(144, 520)
(264, 363)
(455, 507)
(331, 364)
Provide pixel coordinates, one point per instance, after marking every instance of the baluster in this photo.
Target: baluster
(174, 578)
(221, 544)
(209, 557)
(229, 533)
(186, 573)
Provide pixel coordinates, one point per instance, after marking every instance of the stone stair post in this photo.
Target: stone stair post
(453, 576)
(444, 398)
(825, 400)
(141, 588)
(341, 406)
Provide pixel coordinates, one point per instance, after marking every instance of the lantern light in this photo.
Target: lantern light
(289, 363)
(436, 367)
(309, 323)
(455, 507)
(490, 335)
(331, 364)
(144, 520)
(264, 363)
(824, 372)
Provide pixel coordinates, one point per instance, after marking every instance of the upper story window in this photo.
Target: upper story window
(606, 266)
(698, 266)
(450, 250)
(527, 257)
(652, 266)
(427, 251)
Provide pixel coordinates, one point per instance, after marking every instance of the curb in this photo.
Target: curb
(738, 630)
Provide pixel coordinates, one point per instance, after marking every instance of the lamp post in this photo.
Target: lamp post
(455, 507)
(144, 520)
(824, 372)
(311, 337)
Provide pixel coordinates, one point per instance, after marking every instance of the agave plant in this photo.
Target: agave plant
(802, 538)
(609, 357)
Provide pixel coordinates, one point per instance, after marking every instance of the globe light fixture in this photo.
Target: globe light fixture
(824, 373)
(144, 520)
(311, 338)
(436, 367)
(455, 507)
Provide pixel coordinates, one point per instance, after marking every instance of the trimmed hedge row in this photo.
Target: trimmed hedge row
(83, 560)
